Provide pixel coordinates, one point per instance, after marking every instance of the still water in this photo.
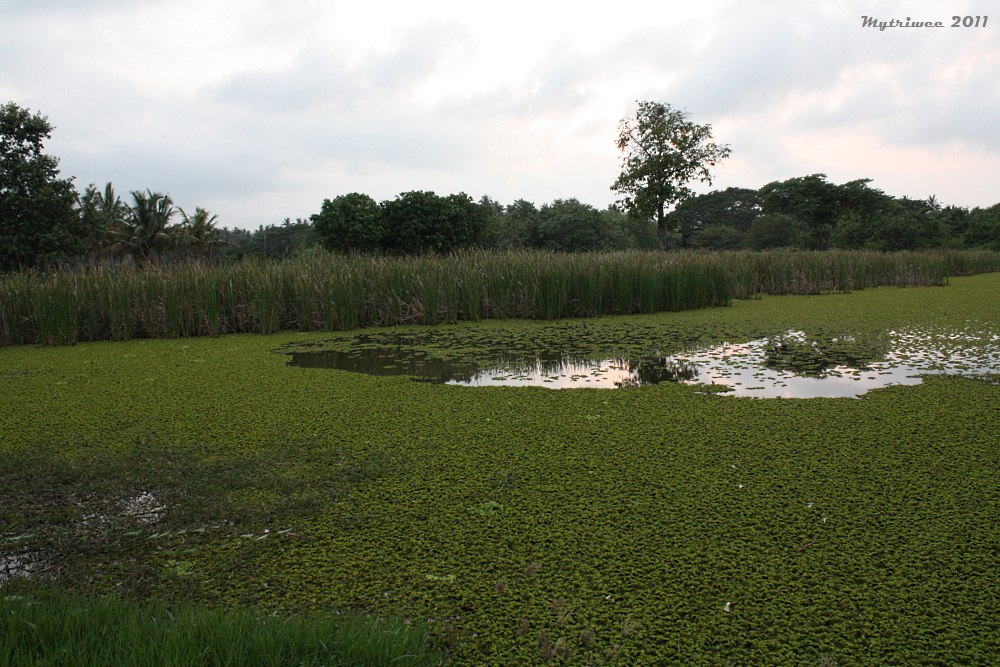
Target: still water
(788, 365)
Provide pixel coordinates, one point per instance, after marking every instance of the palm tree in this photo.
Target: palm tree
(147, 226)
(104, 215)
(199, 231)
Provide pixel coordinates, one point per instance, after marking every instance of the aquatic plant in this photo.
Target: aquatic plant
(654, 526)
(327, 292)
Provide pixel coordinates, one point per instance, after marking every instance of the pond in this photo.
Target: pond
(791, 364)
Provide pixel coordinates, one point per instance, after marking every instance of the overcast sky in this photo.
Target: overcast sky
(257, 110)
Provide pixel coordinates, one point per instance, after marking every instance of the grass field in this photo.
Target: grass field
(525, 526)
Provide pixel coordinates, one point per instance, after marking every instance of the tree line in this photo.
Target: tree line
(811, 213)
(44, 220)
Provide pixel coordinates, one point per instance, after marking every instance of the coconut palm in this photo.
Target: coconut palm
(199, 232)
(103, 214)
(147, 226)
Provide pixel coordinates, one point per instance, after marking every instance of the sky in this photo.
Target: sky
(258, 110)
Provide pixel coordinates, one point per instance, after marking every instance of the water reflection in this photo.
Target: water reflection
(790, 365)
(522, 369)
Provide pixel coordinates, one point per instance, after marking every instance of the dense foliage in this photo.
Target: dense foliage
(328, 291)
(811, 213)
(37, 216)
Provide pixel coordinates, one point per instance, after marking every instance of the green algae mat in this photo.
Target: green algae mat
(646, 525)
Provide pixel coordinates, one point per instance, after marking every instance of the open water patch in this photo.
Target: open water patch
(791, 364)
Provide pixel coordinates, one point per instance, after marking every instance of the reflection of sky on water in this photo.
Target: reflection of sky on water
(787, 366)
(743, 367)
(596, 374)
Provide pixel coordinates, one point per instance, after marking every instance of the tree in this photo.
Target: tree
(147, 228)
(661, 152)
(285, 240)
(199, 232)
(522, 219)
(719, 237)
(902, 229)
(418, 222)
(777, 230)
(568, 225)
(37, 214)
(734, 208)
(103, 215)
(812, 200)
(349, 222)
(955, 223)
(984, 228)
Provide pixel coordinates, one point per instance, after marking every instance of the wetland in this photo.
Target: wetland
(787, 365)
(659, 520)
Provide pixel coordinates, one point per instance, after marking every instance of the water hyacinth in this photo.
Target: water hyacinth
(517, 525)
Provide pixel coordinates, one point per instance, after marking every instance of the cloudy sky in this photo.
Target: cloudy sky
(259, 109)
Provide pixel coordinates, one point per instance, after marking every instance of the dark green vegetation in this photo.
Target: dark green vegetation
(332, 292)
(805, 212)
(51, 628)
(810, 212)
(527, 526)
(37, 217)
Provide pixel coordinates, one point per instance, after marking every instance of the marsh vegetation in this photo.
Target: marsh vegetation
(790, 364)
(518, 525)
(327, 292)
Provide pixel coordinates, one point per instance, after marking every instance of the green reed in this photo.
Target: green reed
(322, 291)
(47, 627)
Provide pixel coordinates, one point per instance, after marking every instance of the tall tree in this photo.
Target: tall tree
(198, 231)
(37, 208)
(147, 228)
(662, 151)
(103, 215)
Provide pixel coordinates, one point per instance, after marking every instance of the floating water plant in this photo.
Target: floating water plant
(623, 520)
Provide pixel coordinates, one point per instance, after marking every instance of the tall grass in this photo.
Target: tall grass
(797, 272)
(330, 292)
(56, 628)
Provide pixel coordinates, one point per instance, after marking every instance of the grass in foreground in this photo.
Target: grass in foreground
(46, 627)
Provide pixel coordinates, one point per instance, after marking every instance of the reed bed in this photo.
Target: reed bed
(323, 291)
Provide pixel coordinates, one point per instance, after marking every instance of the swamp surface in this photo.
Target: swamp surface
(662, 520)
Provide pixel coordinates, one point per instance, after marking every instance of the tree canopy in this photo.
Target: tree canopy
(662, 151)
(349, 222)
(38, 218)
